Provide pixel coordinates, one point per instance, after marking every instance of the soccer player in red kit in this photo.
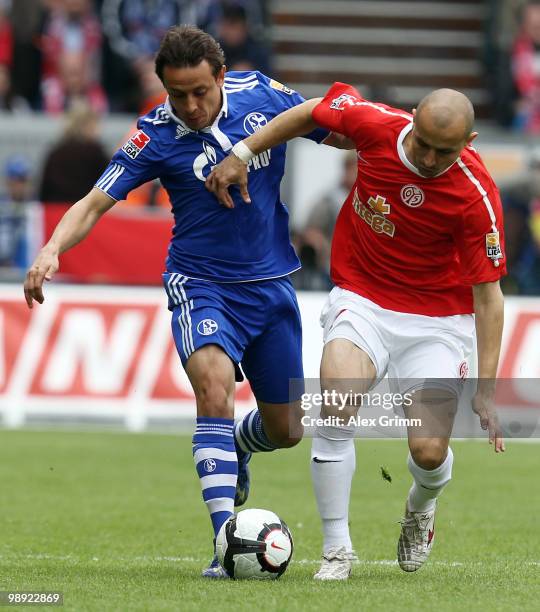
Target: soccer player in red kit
(417, 249)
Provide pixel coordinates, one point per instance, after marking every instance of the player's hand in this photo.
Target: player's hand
(43, 269)
(231, 171)
(483, 406)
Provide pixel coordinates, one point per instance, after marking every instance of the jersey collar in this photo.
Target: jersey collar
(401, 152)
(222, 113)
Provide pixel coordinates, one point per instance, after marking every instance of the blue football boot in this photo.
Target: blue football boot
(214, 571)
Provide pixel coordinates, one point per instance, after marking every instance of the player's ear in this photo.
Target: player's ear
(220, 78)
(414, 112)
(472, 136)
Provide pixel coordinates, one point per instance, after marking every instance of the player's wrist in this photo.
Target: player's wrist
(243, 152)
(51, 249)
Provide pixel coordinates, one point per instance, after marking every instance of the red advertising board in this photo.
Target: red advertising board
(126, 247)
(108, 351)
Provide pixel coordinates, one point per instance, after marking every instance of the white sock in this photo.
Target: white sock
(333, 462)
(428, 484)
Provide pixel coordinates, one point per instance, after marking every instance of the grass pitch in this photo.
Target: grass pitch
(116, 522)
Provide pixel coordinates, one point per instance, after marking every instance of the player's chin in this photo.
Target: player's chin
(196, 124)
(428, 173)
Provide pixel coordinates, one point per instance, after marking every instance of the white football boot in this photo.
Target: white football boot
(336, 564)
(416, 539)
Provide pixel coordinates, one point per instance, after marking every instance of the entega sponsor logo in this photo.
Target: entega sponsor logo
(373, 214)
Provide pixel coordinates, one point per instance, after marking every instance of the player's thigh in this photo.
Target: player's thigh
(206, 322)
(426, 373)
(209, 342)
(433, 353)
(272, 361)
(354, 355)
(435, 349)
(346, 370)
(211, 374)
(343, 359)
(273, 365)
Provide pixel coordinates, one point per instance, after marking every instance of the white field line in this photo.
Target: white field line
(160, 559)
(188, 424)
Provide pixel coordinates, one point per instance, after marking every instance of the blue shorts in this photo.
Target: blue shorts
(257, 324)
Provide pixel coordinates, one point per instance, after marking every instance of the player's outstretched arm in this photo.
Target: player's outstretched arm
(72, 228)
(296, 121)
(489, 316)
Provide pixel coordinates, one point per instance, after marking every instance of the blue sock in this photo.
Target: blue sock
(217, 466)
(250, 436)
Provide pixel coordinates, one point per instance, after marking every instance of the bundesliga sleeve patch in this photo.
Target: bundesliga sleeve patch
(493, 247)
(280, 87)
(136, 144)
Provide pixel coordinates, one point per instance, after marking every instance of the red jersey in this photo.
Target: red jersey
(409, 243)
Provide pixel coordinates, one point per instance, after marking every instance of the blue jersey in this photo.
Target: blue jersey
(210, 242)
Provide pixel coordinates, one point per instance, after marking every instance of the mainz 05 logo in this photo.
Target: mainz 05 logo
(412, 195)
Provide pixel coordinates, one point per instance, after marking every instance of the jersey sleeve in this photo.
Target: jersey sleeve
(135, 163)
(345, 111)
(480, 238)
(284, 98)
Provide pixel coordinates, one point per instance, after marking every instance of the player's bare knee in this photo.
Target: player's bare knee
(214, 398)
(211, 374)
(344, 360)
(428, 454)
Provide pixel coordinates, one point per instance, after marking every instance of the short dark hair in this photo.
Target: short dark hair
(187, 46)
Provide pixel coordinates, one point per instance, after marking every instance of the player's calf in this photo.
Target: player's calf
(216, 462)
(418, 524)
(282, 423)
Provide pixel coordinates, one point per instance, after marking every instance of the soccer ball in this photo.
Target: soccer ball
(254, 544)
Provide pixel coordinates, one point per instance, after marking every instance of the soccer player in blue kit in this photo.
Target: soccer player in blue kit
(227, 272)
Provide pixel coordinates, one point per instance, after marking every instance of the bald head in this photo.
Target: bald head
(447, 110)
(442, 128)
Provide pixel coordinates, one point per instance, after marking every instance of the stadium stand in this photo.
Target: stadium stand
(396, 50)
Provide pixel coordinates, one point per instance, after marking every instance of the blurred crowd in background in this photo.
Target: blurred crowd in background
(85, 59)
(56, 52)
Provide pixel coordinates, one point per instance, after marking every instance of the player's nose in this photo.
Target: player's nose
(190, 105)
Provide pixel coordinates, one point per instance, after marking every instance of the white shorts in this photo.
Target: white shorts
(408, 347)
